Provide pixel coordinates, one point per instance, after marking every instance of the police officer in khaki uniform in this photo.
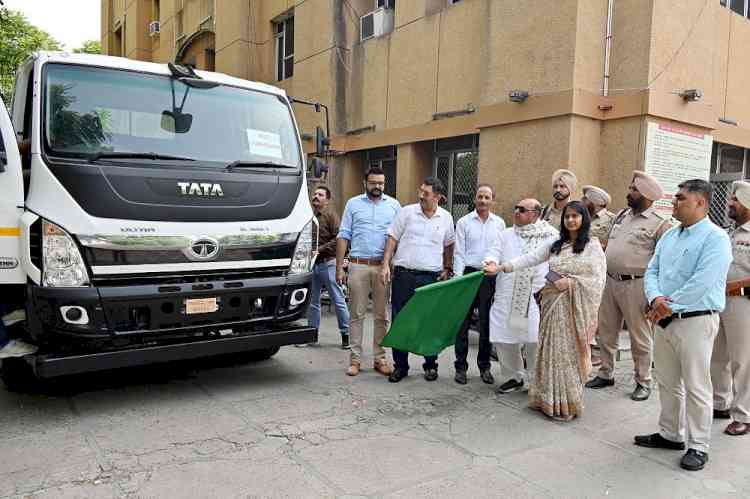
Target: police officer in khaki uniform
(730, 363)
(596, 201)
(631, 245)
(564, 184)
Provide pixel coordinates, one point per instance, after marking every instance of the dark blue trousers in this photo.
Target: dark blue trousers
(404, 283)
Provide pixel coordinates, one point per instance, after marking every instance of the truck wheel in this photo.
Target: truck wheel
(18, 375)
(262, 354)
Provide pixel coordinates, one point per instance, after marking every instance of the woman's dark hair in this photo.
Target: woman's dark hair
(583, 233)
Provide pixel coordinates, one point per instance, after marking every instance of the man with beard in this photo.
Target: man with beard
(730, 363)
(324, 270)
(564, 184)
(514, 317)
(631, 245)
(476, 233)
(364, 227)
(596, 200)
(425, 237)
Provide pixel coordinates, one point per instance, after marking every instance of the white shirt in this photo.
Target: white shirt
(474, 238)
(420, 239)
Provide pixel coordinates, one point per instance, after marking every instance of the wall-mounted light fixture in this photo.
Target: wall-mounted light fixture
(691, 95)
(518, 96)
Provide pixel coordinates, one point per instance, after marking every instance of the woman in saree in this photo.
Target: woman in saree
(569, 305)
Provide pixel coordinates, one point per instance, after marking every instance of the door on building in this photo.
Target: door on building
(385, 158)
(456, 164)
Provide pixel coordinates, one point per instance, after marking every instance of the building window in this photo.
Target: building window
(387, 4)
(456, 165)
(284, 34)
(385, 158)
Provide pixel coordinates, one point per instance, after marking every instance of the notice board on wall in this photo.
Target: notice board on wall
(675, 154)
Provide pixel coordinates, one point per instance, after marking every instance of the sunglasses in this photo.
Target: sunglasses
(523, 209)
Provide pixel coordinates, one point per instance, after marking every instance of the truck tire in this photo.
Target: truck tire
(262, 354)
(18, 375)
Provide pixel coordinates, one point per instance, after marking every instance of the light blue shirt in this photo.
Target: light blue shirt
(690, 266)
(365, 224)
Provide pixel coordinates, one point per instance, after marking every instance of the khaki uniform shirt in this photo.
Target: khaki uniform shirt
(552, 215)
(633, 239)
(740, 268)
(600, 225)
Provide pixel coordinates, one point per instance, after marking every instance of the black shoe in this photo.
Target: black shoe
(722, 414)
(460, 377)
(599, 383)
(397, 375)
(640, 393)
(655, 440)
(487, 376)
(430, 374)
(694, 460)
(345, 342)
(510, 386)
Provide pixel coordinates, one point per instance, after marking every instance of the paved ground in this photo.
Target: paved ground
(296, 426)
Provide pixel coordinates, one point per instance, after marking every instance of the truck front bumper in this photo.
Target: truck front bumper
(125, 316)
(52, 365)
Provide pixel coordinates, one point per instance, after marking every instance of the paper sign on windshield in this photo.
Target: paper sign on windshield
(264, 143)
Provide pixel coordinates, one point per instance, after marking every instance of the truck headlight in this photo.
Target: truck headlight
(307, 245)
(63, 265)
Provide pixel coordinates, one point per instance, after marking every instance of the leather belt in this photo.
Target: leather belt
(683, 315)
(365, 261)
(740, 292)
(624, 277)
(416, 272)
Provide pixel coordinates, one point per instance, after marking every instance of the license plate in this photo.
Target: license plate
(201, 306)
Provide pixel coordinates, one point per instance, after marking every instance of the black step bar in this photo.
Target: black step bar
(50, 366)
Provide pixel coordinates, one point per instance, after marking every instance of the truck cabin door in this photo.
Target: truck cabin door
(11, 203)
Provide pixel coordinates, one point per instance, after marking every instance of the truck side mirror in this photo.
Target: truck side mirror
(319, 167)
(321, 142)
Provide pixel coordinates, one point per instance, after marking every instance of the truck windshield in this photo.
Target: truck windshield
(93, 112)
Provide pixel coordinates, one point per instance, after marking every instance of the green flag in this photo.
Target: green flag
(431, 319)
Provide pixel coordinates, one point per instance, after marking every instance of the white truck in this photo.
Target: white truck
(150, 213)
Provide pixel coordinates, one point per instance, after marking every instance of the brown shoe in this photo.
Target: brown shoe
(383, 367)
(735, 428)
(353, 369)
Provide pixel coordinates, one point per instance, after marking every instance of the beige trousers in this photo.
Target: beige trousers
(511, 361)
(363, 280)
(682, 359)
(625, 300)
(730, 363)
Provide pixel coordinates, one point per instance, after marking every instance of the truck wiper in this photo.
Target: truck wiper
(253, 164)
(135, 155)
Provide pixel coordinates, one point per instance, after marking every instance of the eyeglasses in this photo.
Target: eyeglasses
(523, 209)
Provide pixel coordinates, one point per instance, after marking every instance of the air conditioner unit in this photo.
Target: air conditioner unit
(377, 23)
(154, 28)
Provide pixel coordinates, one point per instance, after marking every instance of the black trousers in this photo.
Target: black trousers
(483, 300)
(404, 283)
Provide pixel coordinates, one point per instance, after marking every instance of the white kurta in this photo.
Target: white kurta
(508, 246)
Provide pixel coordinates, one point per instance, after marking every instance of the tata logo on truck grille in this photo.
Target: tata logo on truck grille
(203, 250)
(200, 189)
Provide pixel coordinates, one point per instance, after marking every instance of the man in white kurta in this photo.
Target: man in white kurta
(514, 317)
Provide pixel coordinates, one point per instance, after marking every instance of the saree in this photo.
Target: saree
(563, 357)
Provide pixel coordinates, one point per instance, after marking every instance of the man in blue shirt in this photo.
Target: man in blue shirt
(364, 229)
(685, 286)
